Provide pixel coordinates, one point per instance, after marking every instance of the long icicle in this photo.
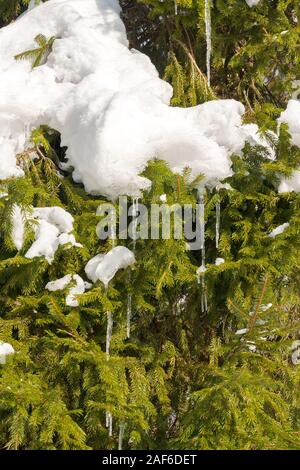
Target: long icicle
(109, 328)
(218, 218)
(108, 333)
(113, 234)
(110, 427)
(207, 17)
(202, 269)
(175, 7)
(202, 226)
(135, 208)
(129, 312)
(109, 423)
(278, 127)
(121, 435)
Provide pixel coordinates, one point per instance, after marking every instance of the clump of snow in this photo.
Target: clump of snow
(290, 184)
(252, 3)
(60, 284)
(18, 227)
(291, 116)
(104, 267)
(296, 92)
(52, 227)
(55, 216)
(243, 331)
(219, 261)
(5, 350)
(108, 102)
(201, 270)
(295, 357)
(163, 198)
(265, 307)
(278, 230)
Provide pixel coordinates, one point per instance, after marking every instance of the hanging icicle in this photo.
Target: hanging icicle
(218, 218)
(201, 270)
(108, 333)
(201, 280)
(113, 235)
(278, 128)
(207, 16)
(202, 225)
(135, 211)
(109, 423)
(121, 435)
(129, 312)
(109, 418)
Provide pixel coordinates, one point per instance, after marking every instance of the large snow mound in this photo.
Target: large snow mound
(108, 102)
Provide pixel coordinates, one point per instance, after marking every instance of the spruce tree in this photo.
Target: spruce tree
(190, 376)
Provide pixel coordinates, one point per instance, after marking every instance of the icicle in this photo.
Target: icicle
(208, 38)
(109, 422)
(108, 333)
(201, 270)
(121, 435)
(218, 214)
(129, 309)
(201, 280)
(278, 128)
(202, 226)
(135, 208)
(109, 328)
(113, 234)
(176, 7)
(110, 427)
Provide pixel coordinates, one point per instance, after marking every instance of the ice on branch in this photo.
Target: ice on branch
(107, 101)
(103, 267)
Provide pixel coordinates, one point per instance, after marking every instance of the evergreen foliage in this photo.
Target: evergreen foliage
(186, 378)
(255, 56)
